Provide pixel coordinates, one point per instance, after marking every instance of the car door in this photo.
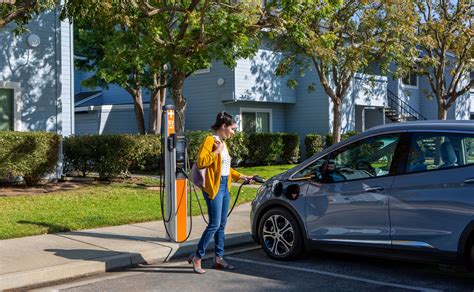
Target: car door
(349, 203)
(433, 201)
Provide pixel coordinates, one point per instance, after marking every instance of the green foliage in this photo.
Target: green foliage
(174, 40)
(238, 147)
(77, 153)
(313, 143)
(112, 155)
(22, 12)
(445, 36)
(265, 148)
(339, 39)
(146, 155)
(31, 155)
(291, 148)
(344, 136)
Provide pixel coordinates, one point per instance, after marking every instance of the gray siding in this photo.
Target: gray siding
(44, 73)
(87, 123)
(310, 113)
(255, 79)
(205, 98)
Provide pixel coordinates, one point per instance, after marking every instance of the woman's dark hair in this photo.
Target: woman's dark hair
(223, 118)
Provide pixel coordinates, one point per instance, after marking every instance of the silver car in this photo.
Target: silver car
(403, 190)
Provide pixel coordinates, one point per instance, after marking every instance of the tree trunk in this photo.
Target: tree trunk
(442, 112)
(336, 124)
(179, 100)
(155, 113)
(138, 108)
(156, 108)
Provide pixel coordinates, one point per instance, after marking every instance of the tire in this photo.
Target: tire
(284, 242)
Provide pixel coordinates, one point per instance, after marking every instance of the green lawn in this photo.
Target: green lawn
(265, 171)
(96, 206)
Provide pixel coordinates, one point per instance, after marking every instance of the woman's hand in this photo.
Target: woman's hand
(218, 147)
(247, 178)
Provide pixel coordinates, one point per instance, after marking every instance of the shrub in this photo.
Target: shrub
(265, 148)
(77, 153)
(31, 155)
(238, 147)
(313, 143)
(112, 154)
(291, 148)
(146, 153)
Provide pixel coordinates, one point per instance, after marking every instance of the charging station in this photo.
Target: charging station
(173, 194)
(176, 182)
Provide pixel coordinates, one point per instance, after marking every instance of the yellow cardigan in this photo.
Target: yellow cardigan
(213, 164)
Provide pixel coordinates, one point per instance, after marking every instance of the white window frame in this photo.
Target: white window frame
(408, 85)
(255, 110)
(17, 104)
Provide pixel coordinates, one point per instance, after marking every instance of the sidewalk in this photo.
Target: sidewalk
(41, 259)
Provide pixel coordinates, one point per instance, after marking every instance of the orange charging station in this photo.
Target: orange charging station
(175, 179)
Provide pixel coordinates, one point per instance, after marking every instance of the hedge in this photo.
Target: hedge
(112, 155)
(265, 148)
(291, 148)
(313, 143)
(31, 155)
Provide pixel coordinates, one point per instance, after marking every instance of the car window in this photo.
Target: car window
(371, 157)
(432, 151)
(313, 170)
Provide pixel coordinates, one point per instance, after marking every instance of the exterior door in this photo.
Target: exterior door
(6, 109)
(433, 201)
(350, 202)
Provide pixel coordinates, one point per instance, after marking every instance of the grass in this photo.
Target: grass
(94, 206)
(265, 171)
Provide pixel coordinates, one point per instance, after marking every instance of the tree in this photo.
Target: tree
(191, 34)
(446, 40)
(185, 35)
(118, 53)
(340, 38)
(22, 11)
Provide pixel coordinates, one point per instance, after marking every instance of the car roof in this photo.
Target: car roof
(447, 125)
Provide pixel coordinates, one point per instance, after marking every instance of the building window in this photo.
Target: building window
(472, 116)
(411, 79)
(6, 109)
(256, 121)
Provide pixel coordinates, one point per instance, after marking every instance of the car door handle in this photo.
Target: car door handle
(469, 181)
(373, 189)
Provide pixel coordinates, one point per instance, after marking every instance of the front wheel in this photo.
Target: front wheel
(280, 234)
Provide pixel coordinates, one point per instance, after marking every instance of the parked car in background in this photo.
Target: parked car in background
(402, 190)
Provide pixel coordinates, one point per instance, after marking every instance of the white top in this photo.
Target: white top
(225, 167)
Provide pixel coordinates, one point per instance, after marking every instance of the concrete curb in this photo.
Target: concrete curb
(81, 268)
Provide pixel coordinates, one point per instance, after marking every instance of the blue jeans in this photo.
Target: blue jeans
(217, 210)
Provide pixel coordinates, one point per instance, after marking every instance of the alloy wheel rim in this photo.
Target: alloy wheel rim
(278, 235)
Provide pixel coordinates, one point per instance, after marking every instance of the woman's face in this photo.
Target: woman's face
(229, 131)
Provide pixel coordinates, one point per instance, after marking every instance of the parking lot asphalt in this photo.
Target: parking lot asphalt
(255, 271)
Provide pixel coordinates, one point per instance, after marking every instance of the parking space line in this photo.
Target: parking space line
(331, 274)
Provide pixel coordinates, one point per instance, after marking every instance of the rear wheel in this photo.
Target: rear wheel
(280, 234)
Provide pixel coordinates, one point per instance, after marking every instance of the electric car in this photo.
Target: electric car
(402, 190)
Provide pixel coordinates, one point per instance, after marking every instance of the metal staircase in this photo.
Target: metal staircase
(398, 110)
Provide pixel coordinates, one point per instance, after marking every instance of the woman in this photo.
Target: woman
(214, 156)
